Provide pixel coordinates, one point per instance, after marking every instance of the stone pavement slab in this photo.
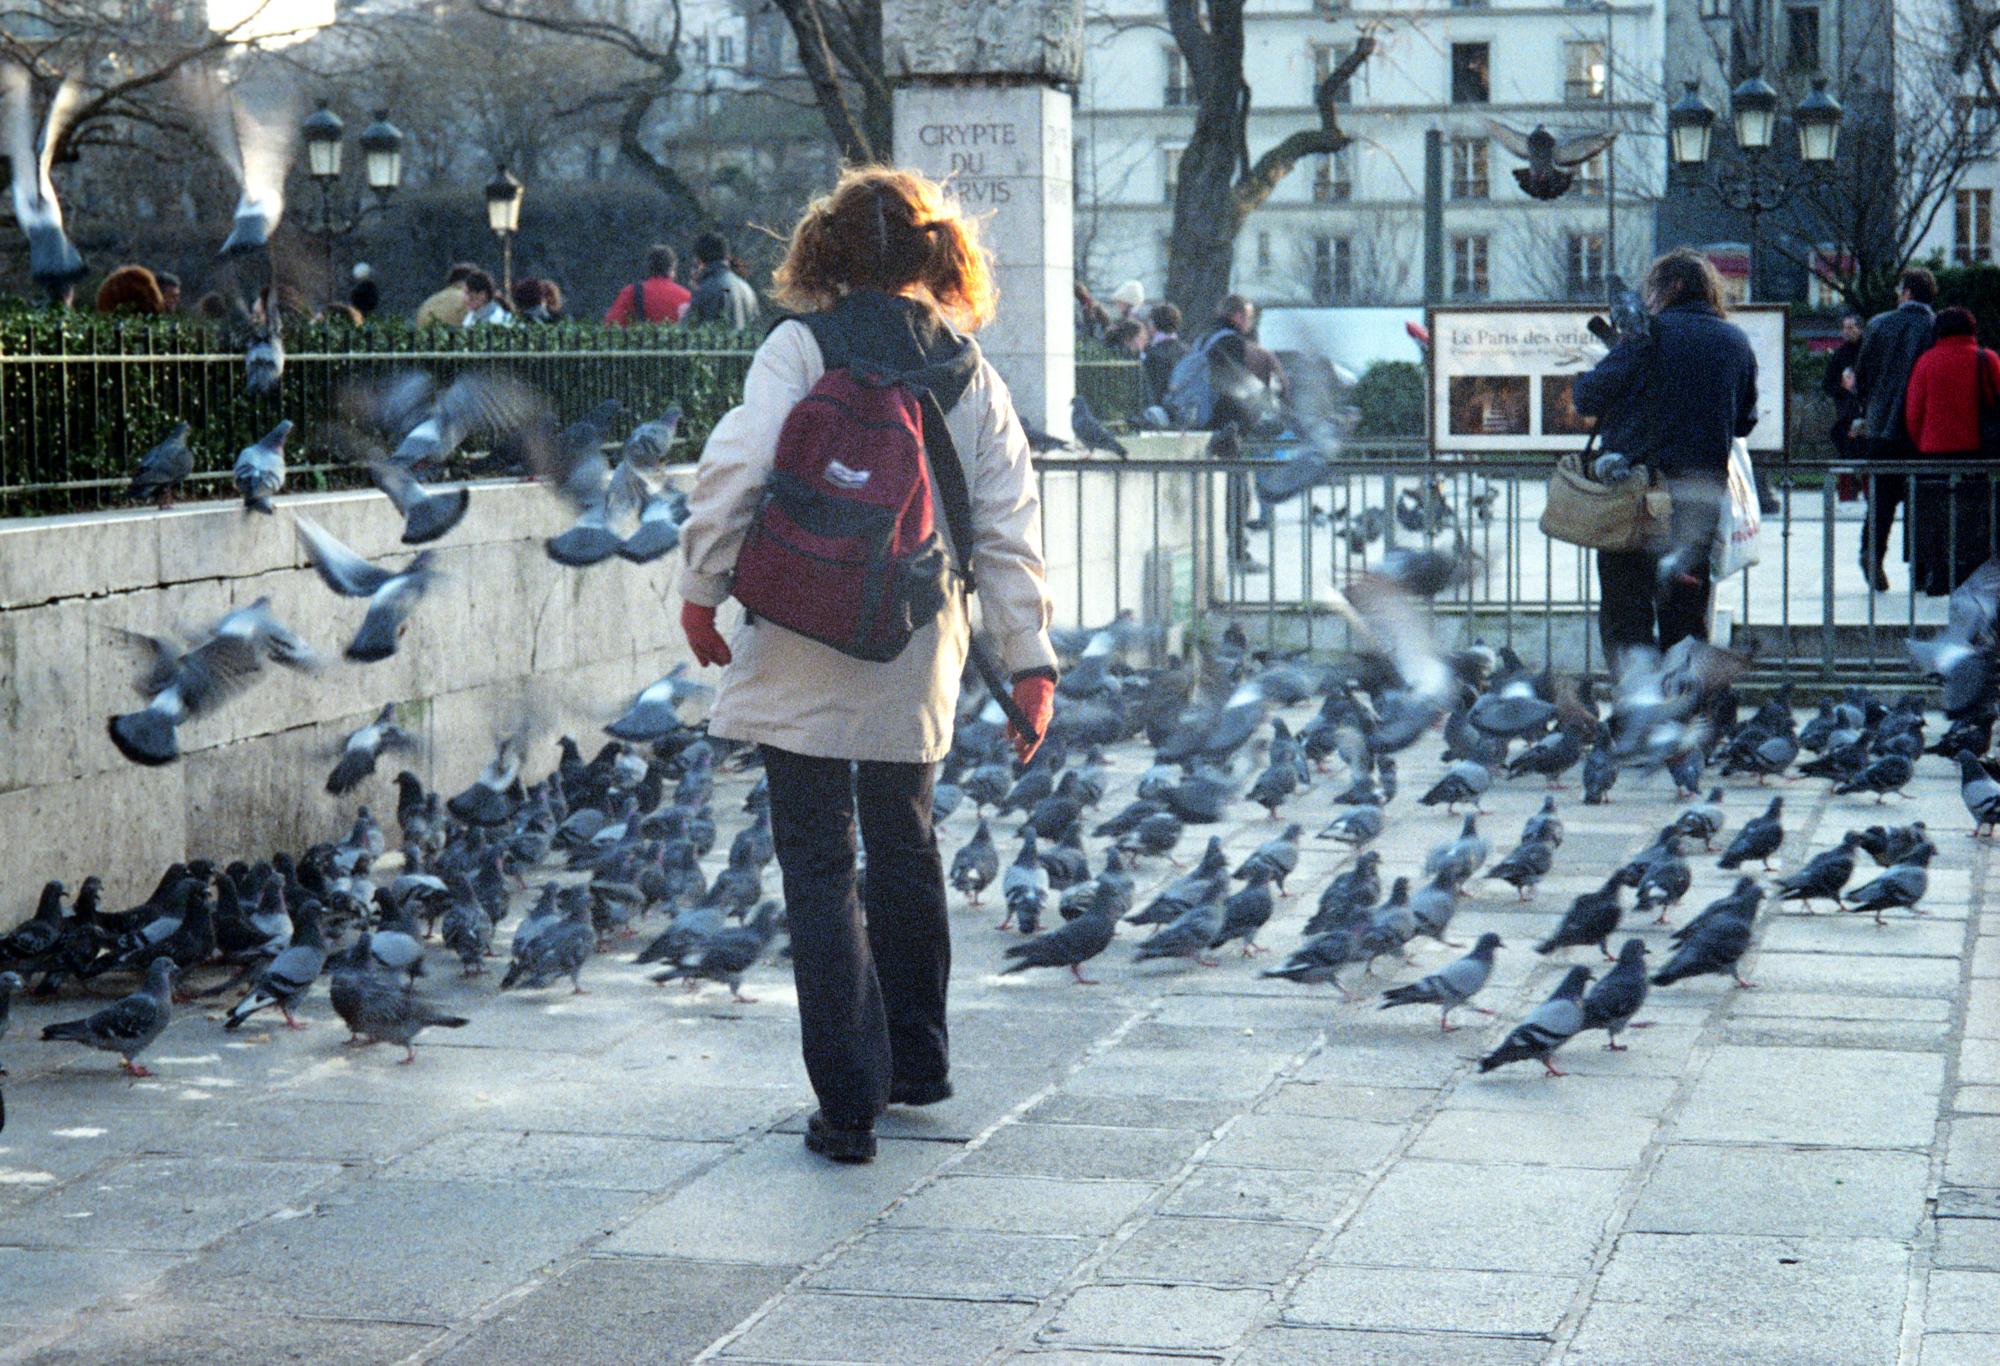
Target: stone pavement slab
(1289, 1346)
(1830, 1192)
(1487, 1216)
(864, 1328)
(1177, 1317)
(1406, 1298)
(1848, 1097)
(971, 1264)
(1208, 1251)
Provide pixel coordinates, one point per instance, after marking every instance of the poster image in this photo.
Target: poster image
(1501, 376)
(1559, 414)
(1489, 405)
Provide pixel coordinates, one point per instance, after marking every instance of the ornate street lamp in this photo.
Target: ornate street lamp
(323, 131)
(1818, 120)
(382, 153)
(503, 215)
(1690, 125)
(1753, 108)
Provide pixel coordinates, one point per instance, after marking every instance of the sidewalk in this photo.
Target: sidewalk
(1182, 1162)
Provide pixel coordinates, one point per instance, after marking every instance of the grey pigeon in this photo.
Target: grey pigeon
(363, 746)
(727, 955)
(1611, 1004)
(1355, 828)
(1451, 986)
(1463, 781)
(1545, 826)
(656, 711)
(1432, 905)
(1189, 936)
(259, 471)
(1094, 435)
(1824, 875)
(378, 1009)
(426, 515)
(1524, 867)
(1759, 838)
(1980, 789)
(1548, 1027)
(1704, 820)
(1902, 886)
(467, 929)
(1714, 941)
(1320, 959)
(1245, 912)
(1890, 773)
(1600, 771)
(126, 1027)
(287, 978)
(976, 864)
(1276, 858)
(162, 469)
(561, 950)
(391, 593)
(186, 682)
(1591, 919)
(1069, 945)
(53, 261)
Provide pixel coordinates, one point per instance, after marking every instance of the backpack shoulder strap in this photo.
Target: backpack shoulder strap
(948, 478)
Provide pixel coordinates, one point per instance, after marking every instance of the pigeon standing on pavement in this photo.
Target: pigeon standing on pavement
(287, 978)
(126, 1027)
(1617, 996)
(1069, 945)
(1591, 919)
(1979, 786)
(1759, 838)
(1903, 886)
(378, 1009)
(1451, 986)
(1548, 1027)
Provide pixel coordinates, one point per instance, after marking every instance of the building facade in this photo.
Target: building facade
(1349, 229)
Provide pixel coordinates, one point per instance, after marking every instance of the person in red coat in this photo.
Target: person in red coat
(1949, 386)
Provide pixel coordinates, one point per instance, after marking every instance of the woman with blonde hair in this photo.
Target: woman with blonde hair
(886, 275)
(1673, 400)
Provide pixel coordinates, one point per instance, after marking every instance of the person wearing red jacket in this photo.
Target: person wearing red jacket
(1950, 385)
(659, 298)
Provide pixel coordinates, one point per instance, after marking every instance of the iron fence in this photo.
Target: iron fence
(1192, 546)
(83, 396)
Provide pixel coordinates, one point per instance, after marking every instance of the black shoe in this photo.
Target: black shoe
(919, 1092)
(839, 1145)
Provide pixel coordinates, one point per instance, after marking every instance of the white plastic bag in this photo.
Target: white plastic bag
(1740, 527)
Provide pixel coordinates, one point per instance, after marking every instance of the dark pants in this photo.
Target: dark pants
(1885, 492)
(871, 993)
(1637, 603)
(1635, 608)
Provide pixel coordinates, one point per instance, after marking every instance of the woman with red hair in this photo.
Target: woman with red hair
(1950, 386)
(888, 274)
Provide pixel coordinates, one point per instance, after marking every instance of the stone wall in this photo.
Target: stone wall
(505, 628)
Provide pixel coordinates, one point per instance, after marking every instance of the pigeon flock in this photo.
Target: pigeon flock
(591, 856)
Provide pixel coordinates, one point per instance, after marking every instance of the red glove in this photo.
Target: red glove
(1035, 695)
(698, 625)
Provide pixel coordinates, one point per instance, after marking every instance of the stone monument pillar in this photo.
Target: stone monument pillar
(983, 104)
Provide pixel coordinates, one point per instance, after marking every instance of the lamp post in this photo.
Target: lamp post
(503, 215)
(382, 154)
(1750, 185)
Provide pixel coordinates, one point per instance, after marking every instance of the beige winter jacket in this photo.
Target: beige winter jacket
(799, 695)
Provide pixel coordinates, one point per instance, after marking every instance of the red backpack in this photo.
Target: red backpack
(844, 547)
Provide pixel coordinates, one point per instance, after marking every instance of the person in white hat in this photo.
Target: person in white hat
(1127, 299)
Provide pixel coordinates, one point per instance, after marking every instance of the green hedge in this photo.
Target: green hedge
(82, 396)
(1389, 399)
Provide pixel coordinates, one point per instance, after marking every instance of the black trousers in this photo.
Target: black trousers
(871, 991)
(1635, 608)
(1886, 492)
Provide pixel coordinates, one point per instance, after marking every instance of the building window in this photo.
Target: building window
(1325, 58)
(1470, 71)
(725, 49)
(1584, 71)
(1802, 38)
(1978, 113)
(1469, 277)
(1468, 168)
(1715, 9)
(1177, 86)
(1590, 177)
(1170, 170)
(701, 50)
(1971, 226)
(1332, 270)
(1585, 265)
(1263, 253)
(1333, 177)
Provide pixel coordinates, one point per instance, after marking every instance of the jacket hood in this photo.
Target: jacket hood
(893, 335)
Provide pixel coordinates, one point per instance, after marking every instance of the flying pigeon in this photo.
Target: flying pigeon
(364, 746)
(655, 712)
(426, 515)
(1551, 164)
(391, 594)
(53, 261)
(183, 683)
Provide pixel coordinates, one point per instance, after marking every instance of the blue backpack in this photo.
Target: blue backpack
(1190, 396)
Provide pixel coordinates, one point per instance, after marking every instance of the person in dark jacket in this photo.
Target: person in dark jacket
(1949, 387)
(1837, 383)
(1890, 346)
(720, 294)
(1162, 353)
(1673, 400)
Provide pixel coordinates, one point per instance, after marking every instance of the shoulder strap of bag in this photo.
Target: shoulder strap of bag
(1597, 425)
(948, 478)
